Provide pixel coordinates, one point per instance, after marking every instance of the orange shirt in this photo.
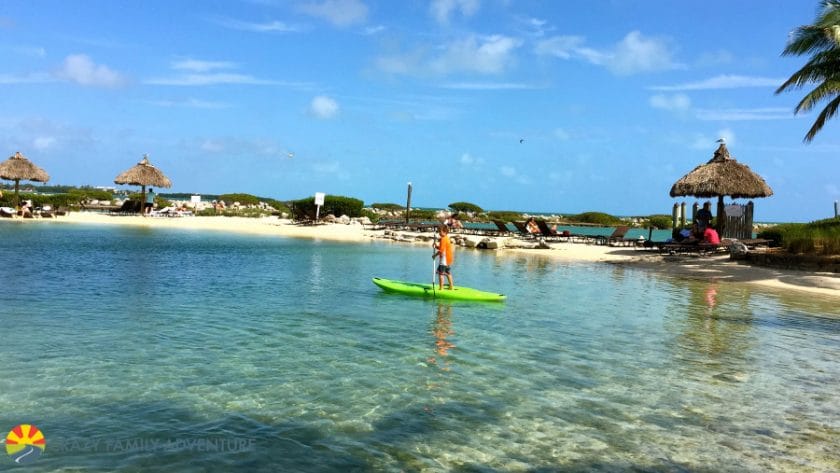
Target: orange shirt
(446, 250)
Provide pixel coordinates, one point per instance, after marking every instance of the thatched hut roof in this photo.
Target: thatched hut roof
(143, 174)
(721, 176)
(18, 168)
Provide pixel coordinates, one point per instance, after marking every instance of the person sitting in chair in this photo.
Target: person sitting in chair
(704, 216)
(710, 236)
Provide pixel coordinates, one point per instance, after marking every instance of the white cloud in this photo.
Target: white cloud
(212, 146)
(715, 58)
(43, 142)
(190, 103)
(34, 51)
(209, 79)
(634, 54)
(510, 173)
(723, 82)
(561, 134)
(487, 55)
(372, 30)
(266, 27)
(327, 167)
(337, 12)
(563, 47)
(488, 86)
(35, 78)
(81, 69)
(323, 107)
(196, 65)
(442, 9)
(745, 114)
(676, 102)
(479, 54)
(469, 160)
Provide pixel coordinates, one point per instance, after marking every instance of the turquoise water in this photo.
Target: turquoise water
(161, 350)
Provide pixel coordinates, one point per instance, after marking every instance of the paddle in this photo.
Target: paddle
(434, 266)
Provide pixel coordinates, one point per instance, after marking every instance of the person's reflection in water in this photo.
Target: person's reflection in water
(441, 329)
(711, 296)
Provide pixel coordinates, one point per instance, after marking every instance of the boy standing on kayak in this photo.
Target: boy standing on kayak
(444, 250)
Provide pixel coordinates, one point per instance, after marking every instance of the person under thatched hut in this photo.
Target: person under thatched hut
(704, 216)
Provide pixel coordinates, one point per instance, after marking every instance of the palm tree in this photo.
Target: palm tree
(822, 41)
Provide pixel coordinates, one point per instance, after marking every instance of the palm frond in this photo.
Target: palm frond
(828, 112)
(825, 90)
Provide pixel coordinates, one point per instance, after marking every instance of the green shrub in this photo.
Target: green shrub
(243, 199)
(387, 207)
(337, 205)
(504, 215)
(598, 218)
(822, 236)
(465, 207)
(423, 214)
(661, 222)
(373, 216)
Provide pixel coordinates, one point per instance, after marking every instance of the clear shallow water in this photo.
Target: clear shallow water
(158, 350)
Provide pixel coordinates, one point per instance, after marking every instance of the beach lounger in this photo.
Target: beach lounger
(502, 227)
(522, 230)
(699, 249)
(7, 212)
(129, 207)
(547, 232)
(616, 238)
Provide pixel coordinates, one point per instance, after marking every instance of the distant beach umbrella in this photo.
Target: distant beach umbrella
(143, 174)
(17, 168)
(719, 177)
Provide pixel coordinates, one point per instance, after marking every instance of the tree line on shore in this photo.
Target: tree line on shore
(820, 237)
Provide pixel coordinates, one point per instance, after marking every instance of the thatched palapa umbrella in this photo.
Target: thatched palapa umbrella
(17, 168)
(143, 174)
(721, 176)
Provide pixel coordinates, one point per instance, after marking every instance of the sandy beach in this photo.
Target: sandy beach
(705, 268)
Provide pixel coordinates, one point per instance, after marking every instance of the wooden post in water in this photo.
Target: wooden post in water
(408, 204)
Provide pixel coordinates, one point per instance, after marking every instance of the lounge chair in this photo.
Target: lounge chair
(616, 238)
(502, 227)
(522, 230)
(46, 212)
(547, 232)
(700, 249)
(128, 207)
(7, 212)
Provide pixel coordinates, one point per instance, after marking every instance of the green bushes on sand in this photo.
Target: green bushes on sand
(597, 218)
(820, 237)
(387, 207)
(466, 207)
(661, 222)
(304, 209)
(504, 215)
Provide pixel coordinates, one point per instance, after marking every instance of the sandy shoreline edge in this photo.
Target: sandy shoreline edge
(718, 268)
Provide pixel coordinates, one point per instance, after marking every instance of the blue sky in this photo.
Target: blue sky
(551, 106)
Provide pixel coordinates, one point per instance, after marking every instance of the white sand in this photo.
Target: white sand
(704, 268)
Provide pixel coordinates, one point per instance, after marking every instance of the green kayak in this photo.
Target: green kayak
(426, 290)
